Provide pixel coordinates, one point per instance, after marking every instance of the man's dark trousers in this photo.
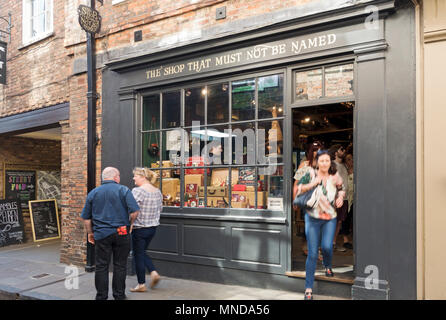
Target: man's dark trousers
(119, 245)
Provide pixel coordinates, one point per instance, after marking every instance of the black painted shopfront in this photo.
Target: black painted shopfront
(228, 218)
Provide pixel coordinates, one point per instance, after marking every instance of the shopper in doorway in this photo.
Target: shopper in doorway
(150, 200)
(303, 175)
(337, 153)
(320, 221)
(108, 214)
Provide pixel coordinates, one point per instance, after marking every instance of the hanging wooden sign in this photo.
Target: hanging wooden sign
(89, 19)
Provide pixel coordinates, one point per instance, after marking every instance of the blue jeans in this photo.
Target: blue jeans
(141, 238)
(315, 230)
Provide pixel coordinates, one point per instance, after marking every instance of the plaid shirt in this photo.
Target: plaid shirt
(151, 204)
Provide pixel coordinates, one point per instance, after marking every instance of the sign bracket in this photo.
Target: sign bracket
(8, 28)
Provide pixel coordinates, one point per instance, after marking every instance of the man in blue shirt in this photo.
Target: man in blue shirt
(108, 214)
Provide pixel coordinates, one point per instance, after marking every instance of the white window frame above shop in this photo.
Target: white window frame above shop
(37, 20)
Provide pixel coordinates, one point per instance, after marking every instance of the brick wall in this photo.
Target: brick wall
(33, 153)
(37, 75)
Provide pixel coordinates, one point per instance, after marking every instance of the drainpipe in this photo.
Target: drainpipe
(91, 128)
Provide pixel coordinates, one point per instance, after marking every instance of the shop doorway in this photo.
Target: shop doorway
(331, 125)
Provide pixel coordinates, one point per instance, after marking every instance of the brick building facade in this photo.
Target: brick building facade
(50, 72)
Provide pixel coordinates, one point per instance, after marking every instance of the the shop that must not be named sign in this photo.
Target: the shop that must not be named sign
(2, 62)
(293, 48)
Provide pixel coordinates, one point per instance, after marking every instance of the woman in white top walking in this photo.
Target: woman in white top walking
(150, 201)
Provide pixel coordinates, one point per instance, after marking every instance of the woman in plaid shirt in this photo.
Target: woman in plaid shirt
(150, 200)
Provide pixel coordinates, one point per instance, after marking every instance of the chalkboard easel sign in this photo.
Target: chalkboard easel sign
(11, 223)
(44, 219)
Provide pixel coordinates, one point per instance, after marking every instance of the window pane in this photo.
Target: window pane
(339, 81)
(243, 192)
(170, 190)
(171, 109)
(150, 149)
(309, 85)
(171, 150)
(216, 151)
(194, 105)
(243, 143)
(151, 112)
(193, 187)
(270, 142)
(270, 95)
(243, 100)
(194, 143)
(217, 191)
(218, 103)
(270, 188)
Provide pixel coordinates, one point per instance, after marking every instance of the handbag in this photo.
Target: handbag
(305, 200)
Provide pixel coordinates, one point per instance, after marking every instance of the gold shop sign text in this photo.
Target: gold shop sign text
(258, 53)
(89, 19)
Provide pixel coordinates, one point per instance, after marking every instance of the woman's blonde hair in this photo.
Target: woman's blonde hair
(146, 173)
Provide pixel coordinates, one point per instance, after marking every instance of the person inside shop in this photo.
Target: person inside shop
(320, 221)
(216, 150)
(108, 214)
(304, 170)
(150, 200)
(347, 225)
(337, 153)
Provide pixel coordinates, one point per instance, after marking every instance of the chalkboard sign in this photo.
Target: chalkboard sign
(21, 185)
(44, 219)
(11, 223)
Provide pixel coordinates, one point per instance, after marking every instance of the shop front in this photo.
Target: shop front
(225, 123)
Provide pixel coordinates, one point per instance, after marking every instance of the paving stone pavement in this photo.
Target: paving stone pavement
(32, 271)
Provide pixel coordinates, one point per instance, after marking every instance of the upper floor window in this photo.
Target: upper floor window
(37, 20)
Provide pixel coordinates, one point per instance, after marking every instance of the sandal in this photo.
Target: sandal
(308, 295)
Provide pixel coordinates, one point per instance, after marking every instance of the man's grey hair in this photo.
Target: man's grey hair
(109, 173)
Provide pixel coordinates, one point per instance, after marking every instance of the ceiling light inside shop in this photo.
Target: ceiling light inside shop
(204, 92)
(212, 133)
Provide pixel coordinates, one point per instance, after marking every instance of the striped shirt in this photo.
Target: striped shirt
(151, 204)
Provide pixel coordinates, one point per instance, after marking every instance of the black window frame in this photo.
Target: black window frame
(210, 212)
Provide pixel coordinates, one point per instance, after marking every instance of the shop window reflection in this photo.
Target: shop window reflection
(171, 109)
(243, 99)
(217, 103)
(308, 85)
(270, 96)
(339, 81)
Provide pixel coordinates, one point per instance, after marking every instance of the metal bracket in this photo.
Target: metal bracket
(8, 28)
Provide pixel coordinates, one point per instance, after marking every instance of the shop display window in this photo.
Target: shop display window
(205, 158)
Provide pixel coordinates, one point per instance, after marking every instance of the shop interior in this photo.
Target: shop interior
(330, 124)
